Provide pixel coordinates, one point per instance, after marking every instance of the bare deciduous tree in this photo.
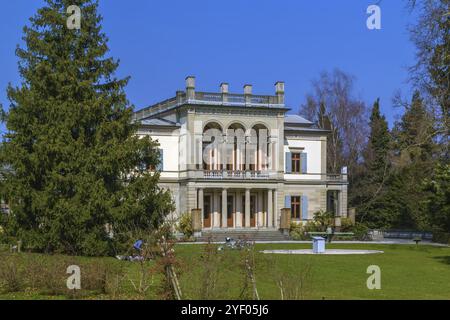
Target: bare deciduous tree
(333, 106)
(431, 73)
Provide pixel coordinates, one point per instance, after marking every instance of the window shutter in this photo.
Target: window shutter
(288, 162)
(304, 208)
(304, 164)
(287, 202)
(160, 166)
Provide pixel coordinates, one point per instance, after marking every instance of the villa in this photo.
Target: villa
(240, 159)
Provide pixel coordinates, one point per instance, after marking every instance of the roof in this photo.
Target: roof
(159, 122)
(290, 128)
(296, 119)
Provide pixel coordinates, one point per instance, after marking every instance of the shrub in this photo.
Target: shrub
(360, 230)
(185, 225)
(294, 285)
(441, 237)
(297, 231)
(323, 219)
(11, 272)
(347, 225)
(102, 277)
(312, 226)
(47, 275)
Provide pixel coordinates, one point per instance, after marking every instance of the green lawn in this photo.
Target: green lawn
(407, 272)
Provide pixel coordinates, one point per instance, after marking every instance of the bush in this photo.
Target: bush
(347, 225)
(102, 277)
(185, 226)
(323, 219)
(297, 232)
(47, 275)
(360, 230)
(11, 273)
(313, 226)
(441, 237)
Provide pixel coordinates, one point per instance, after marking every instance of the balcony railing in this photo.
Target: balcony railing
(336, 177)
(252, 175)
(231, 174)
(212, 98)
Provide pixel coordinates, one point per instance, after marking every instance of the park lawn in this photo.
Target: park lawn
(407, 272)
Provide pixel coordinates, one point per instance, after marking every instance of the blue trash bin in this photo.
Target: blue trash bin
(318, 245)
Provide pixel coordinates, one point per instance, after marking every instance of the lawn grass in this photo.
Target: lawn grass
(407, 272)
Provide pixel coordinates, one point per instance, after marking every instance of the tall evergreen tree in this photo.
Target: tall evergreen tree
(71, 144)
(438, 200)
(371, 185)
(414, 162)
(377, 151)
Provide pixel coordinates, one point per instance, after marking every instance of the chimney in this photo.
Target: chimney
(279, 90)
(180, 96)
(224, 89)
(190, 87)
(248, 93)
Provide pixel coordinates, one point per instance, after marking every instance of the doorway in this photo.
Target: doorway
(207, 212)
(230, 211)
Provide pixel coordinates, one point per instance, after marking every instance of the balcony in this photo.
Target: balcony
(209, 98)
(328, 178)
(235, 99)
(240, 175)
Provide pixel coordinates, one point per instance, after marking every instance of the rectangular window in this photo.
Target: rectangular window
(295, 208)
(296, 163)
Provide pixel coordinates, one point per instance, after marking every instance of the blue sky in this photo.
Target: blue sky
(259, 42)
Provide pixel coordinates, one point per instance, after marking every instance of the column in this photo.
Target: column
(276, 212)
(269, 209)
(239, 209)
(260, 215)
(247, 208)
(224, 208)
(200, 204)
(216, 210)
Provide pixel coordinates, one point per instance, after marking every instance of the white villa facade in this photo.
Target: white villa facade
(241, 159)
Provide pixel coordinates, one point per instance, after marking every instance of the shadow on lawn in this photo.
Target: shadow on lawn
(443, 259)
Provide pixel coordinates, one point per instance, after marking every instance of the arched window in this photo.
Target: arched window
(258, 148)
(212, 140)
(235, 148)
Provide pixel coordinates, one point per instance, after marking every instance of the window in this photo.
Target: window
(296, 168)
(295, 208)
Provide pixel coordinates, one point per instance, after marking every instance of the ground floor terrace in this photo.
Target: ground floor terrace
(224, 205)
(233, 208)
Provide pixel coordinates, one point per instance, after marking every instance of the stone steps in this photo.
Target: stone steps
(252, 235)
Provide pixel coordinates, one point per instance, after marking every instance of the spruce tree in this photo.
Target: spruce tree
(77, 164)
(372, 184)
(377, 151)
(415, 160)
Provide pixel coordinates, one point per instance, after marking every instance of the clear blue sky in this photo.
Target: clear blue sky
(160, 42)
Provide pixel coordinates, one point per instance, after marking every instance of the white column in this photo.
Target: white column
(247, 208)
(270, 164)
(276, 212)
(216, 210)
(224, 208)
(200, 204)
(269, 209)
(260, 215)
(239, 210)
